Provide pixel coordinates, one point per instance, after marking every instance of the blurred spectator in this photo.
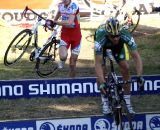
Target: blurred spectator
(155, 9)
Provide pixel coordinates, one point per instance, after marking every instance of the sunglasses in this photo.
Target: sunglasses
(115, 36)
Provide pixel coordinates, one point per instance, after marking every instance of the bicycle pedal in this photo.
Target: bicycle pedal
(31, 58)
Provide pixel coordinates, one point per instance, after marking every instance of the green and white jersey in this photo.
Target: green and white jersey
(102, 42)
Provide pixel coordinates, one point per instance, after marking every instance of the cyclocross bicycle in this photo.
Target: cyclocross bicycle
(45, 56)
(115, 96)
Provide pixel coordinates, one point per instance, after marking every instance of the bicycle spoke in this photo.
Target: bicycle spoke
(17, 47)
(46, 63)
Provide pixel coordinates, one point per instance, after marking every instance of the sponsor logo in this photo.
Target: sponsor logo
(16, 15)
(47, 126)
(68, 89)
(102, 124)
(65, 126)
(29, 128)
(137, 125)
(63, 89)
(8, 90)
(154, 123)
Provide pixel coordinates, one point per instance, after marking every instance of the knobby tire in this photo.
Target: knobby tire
(46, 63)
(135, 25)
(20, 44)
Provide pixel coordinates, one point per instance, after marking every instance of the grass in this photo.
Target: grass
(148, 40)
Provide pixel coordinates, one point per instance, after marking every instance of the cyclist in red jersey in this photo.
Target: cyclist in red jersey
(68, 11)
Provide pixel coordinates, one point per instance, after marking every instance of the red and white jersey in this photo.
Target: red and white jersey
(71, 34)
(72, 9)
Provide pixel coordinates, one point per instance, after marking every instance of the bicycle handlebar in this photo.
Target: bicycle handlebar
(25, 12)
(122, 82)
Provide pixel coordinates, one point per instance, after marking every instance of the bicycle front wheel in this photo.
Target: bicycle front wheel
(118, 117)
(46, 63)
(17, 47)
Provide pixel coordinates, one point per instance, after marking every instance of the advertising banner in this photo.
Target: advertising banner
(18, 125)
(11, 10)
(139, 122)
(11, 89)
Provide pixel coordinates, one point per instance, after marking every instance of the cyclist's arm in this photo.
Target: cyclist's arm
(138, 62)
(99, 68)
(57, 16)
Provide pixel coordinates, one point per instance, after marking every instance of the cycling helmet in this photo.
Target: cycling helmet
(112, 26)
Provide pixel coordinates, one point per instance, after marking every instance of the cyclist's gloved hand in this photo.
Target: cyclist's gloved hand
(103, 88)
(140, 83)
(49, 24)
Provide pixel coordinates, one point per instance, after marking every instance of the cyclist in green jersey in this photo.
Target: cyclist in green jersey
(111, 36)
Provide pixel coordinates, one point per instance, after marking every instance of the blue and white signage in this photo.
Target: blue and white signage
(103, 123)
(139, 122)
(153, 121)
(65, 87)
(65, 124)
(18, 125)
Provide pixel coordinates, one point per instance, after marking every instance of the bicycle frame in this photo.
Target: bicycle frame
(34, 31)
(52, 39)
(115, 93)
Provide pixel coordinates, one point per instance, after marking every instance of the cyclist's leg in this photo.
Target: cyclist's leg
(104, 99)
(124, 68)
(125, 71)
(63, 50)
(75, 50)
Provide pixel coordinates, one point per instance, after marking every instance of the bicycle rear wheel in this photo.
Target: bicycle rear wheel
(17, 47)
(135, 20)
(46, 63)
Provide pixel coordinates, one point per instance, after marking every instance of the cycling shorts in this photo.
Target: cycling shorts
(122, 55)
(72, 40)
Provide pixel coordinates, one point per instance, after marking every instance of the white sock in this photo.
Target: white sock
(103, 98)
(127, 99)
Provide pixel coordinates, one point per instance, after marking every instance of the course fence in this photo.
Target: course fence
(54, 88)
(148, 121)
